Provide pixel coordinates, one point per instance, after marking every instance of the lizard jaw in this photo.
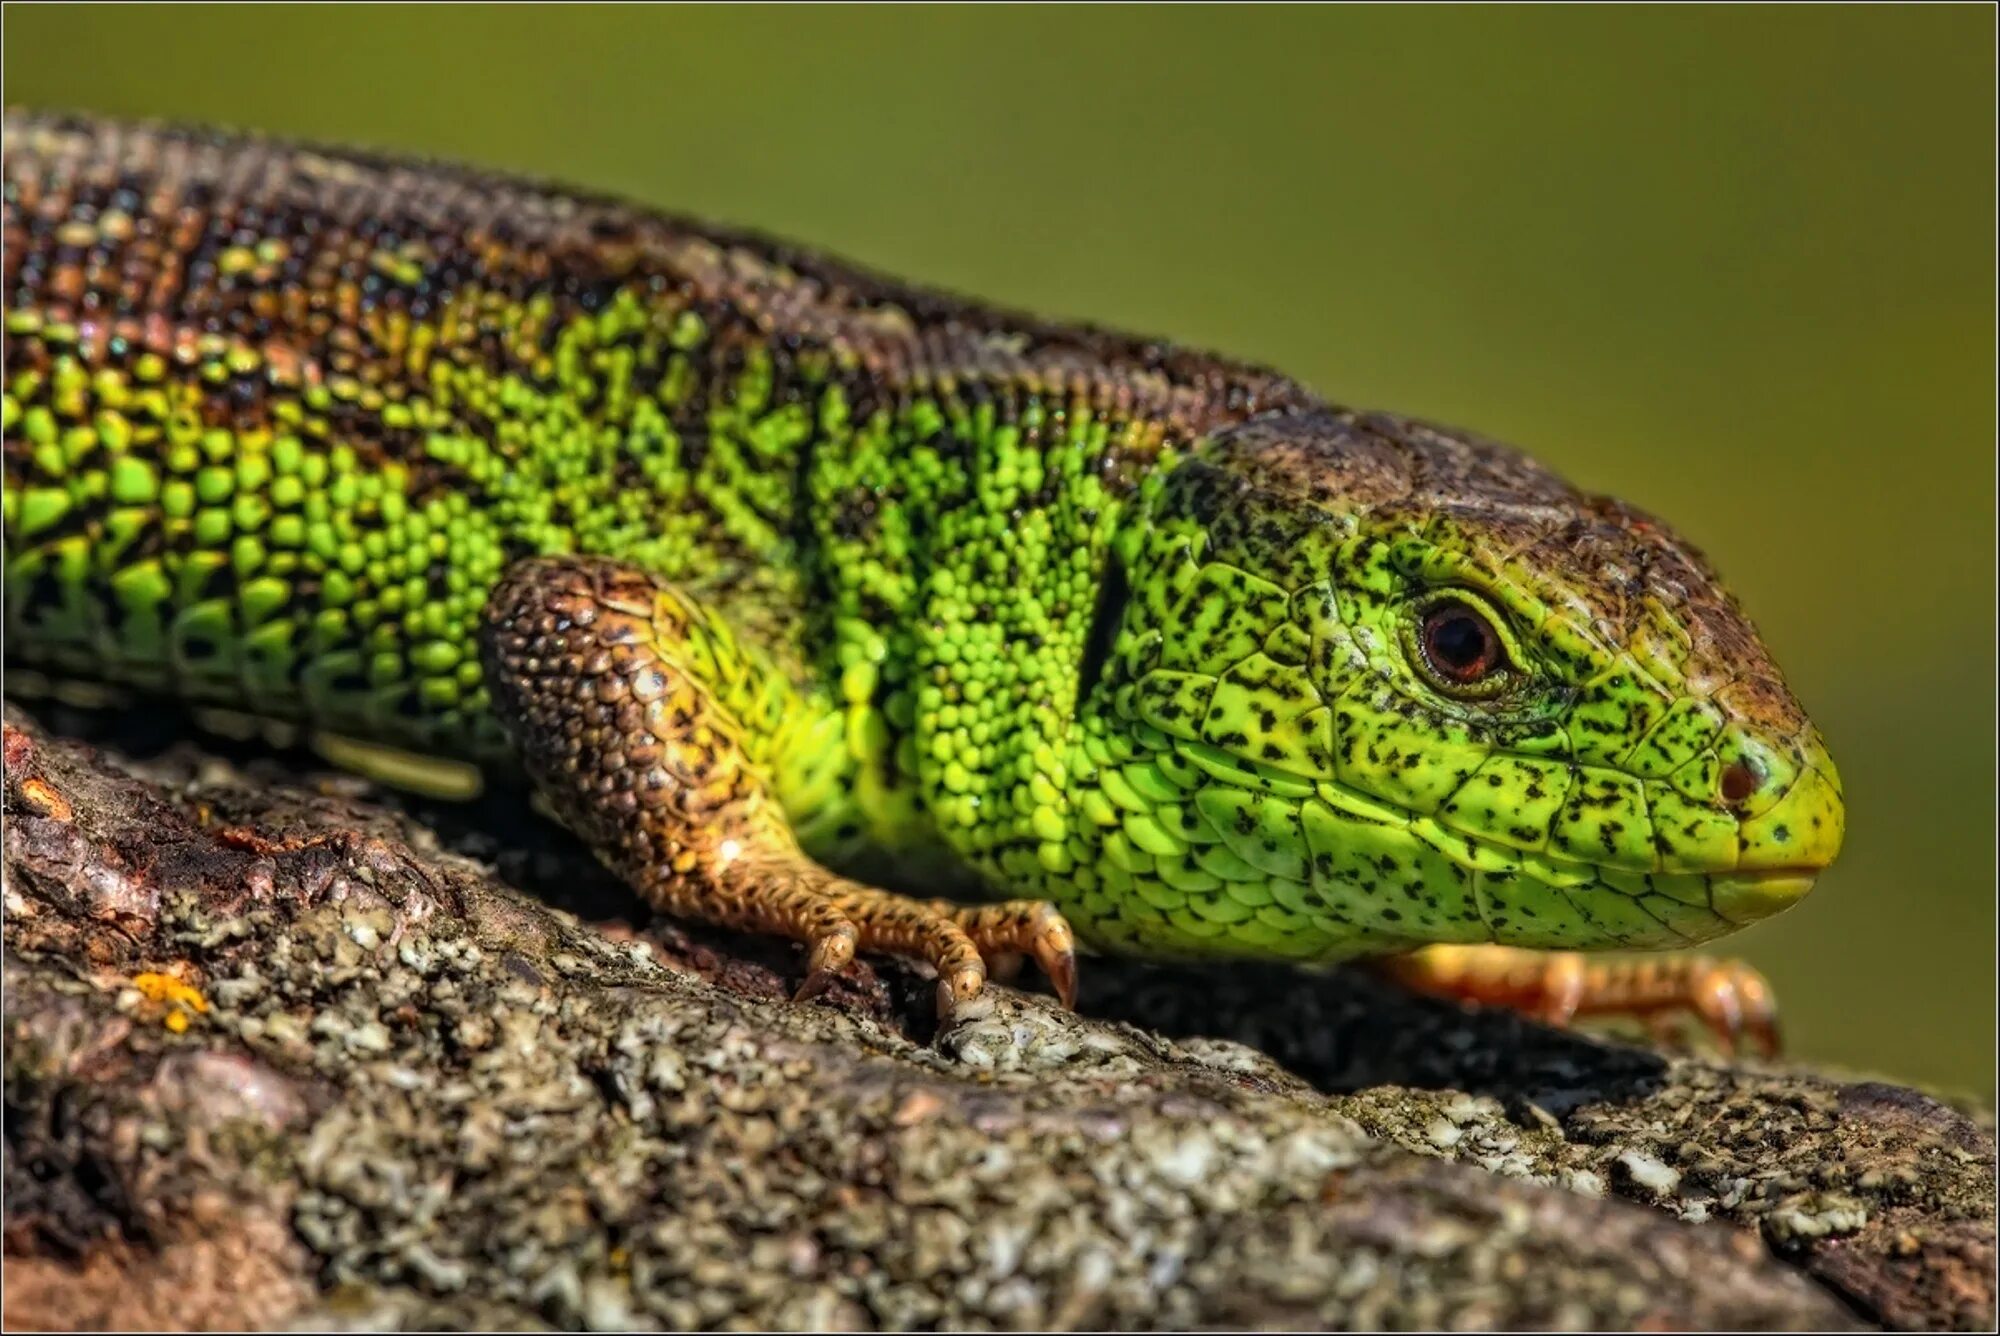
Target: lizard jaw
(1745, 897)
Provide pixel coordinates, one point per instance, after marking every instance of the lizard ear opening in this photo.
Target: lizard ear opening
(1113, 592)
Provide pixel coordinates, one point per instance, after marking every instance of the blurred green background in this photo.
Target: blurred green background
(1734, 264)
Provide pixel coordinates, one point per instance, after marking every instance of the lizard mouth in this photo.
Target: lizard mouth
(1745, 897)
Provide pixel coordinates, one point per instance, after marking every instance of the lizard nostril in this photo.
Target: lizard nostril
(1739, 780)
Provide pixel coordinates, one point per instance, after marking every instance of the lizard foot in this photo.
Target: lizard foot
(899, 926)
(1007, 931)
(1728, 998)
(966, 945)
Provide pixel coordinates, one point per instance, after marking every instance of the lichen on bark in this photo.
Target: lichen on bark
(281, 1048)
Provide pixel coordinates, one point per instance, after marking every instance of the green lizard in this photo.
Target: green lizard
(785, 583)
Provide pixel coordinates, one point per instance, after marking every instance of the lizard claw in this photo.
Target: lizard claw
(958, 987)
(828, 956)
(1055, 952)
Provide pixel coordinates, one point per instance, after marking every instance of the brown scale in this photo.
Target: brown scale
(520, 236)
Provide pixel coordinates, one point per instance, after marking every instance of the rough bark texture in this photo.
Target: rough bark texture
(283, 1049)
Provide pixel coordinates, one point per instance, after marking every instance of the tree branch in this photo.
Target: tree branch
(284, 1049)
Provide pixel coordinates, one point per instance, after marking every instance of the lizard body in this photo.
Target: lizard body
(773, 573)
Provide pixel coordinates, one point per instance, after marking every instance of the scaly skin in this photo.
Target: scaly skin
(951, 597)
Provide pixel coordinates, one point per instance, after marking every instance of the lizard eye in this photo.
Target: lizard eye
(1460, 645)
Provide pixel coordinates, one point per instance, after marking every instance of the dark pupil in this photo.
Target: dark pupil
(1460, 643)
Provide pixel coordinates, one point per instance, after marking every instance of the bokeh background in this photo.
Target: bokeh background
(1734, 264)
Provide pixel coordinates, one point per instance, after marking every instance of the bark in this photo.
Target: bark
(285, 1049)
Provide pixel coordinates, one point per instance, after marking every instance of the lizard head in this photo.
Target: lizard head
(1376, 684)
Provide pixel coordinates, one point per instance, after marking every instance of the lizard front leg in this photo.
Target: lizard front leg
(611, 685)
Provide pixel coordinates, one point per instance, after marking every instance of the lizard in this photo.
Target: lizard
(827, 606)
